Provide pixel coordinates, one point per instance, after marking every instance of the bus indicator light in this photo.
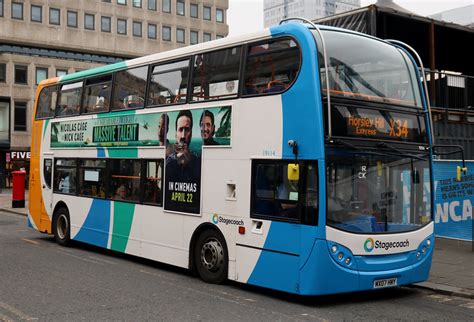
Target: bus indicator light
(242, 230)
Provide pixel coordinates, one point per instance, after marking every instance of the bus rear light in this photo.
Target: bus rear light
(242, 230)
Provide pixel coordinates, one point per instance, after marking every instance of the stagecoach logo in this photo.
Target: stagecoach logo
(219, 219)
(369, 245)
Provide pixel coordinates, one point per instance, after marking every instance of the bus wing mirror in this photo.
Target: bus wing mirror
(459, 171)
(293, 171)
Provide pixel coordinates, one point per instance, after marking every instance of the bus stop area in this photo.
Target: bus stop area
(452, 271)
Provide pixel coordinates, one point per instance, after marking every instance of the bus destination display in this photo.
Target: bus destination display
(377, 124)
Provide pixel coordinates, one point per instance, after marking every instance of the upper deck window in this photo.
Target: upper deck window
(97, 94)
(129, 90)
(369, 69)
(47, 102)
(271, 67)
(70, 99)
(168, 83)
(216, 74)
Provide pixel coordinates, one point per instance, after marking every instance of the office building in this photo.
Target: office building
(276, 10)
(46, 38)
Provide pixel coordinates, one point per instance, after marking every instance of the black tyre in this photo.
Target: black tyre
(210, 257)
(62, 227)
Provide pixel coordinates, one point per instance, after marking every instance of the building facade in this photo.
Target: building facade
(47, 38)
(463, 16)
(276, 10)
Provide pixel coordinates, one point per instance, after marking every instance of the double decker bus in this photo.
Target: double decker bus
(297, 158)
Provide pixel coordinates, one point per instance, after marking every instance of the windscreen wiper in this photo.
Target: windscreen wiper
(393, 149)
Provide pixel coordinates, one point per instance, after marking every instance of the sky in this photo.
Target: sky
(246, 16)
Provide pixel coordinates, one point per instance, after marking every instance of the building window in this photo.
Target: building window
(206, 13)
(193, 10)
(152, 31)
(206, 37)
(36, 13)
(137, 3)
(105, 24)
(180, 35)
(180, 7)
(17, 10)
(219, 36)
(107, 1)
(21, 74)
(166, 33)
(54, 16)
(61, 72)
(1, 8)
(20, 116)
(121, 26)
(152, 5)
(137, 28)
(89, 21)
(72, 19)
(41, 73)
(193, 37)
(122, 2)
(166, 6)
(3, 73)
(219, 15)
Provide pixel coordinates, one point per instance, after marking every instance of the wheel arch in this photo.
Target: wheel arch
(192, 244)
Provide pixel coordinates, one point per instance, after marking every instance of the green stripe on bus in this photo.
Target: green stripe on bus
(46, 122)
(93, 72)
(123, 152)
(123, 218)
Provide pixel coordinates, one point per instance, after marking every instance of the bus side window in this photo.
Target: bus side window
(216, 74)
(273, 194)
(92, 181)
(69, 99)
(97, 94)
(168, 83)
(129, 88)
(65, 176)
(153, 182)
(47, 102)
(271, 67)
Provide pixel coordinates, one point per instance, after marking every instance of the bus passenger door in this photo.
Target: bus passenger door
(46, 188)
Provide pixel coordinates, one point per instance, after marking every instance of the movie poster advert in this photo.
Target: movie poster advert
(188, 131)
(117, 131)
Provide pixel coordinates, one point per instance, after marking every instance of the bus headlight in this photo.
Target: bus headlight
(334, 249)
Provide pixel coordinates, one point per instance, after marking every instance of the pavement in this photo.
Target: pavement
(452, 271)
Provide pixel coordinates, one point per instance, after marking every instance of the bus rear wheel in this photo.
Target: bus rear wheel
(62, 227)
(211, 258)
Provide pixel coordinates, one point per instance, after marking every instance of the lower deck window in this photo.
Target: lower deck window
(277, 196)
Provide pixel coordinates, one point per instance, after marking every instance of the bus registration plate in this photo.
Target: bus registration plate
(387, 282)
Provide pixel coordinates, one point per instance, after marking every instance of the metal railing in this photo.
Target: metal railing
(450, 91)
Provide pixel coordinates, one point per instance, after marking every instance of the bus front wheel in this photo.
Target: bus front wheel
(62, 227)
(211, 258)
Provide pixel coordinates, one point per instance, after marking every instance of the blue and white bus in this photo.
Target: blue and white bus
(297, 158)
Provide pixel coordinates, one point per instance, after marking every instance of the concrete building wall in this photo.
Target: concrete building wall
(44, 44)
(62, 36)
